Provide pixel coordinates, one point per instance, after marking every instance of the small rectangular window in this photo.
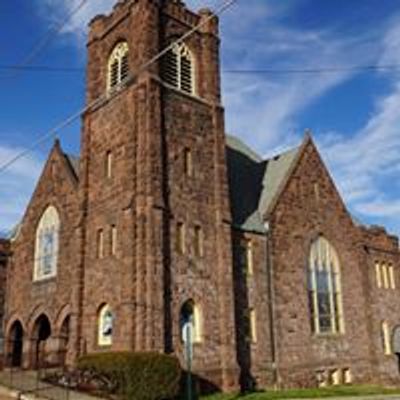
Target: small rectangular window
(347, 378)
(113, 240)
(109, 164)
(378, 275)
(198, 241)
(180, 238)
(253, 326)
(391, 277)
(335, 377)
(385, 276)
(100, 243)
(387, 348)
(188, 162)
(246, 256)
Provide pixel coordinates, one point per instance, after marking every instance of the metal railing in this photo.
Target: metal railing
(48, 380)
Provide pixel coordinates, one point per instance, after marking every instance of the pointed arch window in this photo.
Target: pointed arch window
(47, 245)
(324, 288)
(118, 65)
(178, 68)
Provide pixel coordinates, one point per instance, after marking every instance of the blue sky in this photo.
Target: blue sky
(354, 114)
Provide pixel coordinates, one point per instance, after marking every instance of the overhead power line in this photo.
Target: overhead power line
(255, 71)
(316, 70)
(40, 68)
(68, 121)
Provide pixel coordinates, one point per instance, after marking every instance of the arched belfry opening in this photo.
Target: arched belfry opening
(40, 337)
(16, 339)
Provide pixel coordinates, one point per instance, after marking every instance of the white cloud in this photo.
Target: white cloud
(264, 109)
(55, 11)
(16, 185)
(366, 165)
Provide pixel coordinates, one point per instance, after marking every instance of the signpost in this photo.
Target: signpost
(188, 339)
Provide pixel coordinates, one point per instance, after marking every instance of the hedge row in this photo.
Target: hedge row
(134, 376)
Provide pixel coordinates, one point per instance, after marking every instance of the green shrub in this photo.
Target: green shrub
(144, 376)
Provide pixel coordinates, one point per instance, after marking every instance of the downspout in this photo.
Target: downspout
(271, 305)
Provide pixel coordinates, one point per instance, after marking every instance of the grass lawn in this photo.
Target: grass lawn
(309, 393)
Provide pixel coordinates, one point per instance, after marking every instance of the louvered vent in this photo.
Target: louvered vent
(177, 69)
(124, 68)
(186, 75)
(118, 65)
(114, 74)
(170, 68)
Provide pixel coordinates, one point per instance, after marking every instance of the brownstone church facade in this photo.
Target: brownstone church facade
(164, 229)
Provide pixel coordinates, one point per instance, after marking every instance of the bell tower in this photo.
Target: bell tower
(154, 188)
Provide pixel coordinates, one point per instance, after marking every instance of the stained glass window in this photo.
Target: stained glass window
(46, 248)
(324, 288)
(106, 325)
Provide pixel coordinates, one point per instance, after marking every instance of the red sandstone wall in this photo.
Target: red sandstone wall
(299, 217)
(55, 297)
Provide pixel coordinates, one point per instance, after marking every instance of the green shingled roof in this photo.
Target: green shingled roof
(254, 183)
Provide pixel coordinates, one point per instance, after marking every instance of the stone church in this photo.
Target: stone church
(165, 222)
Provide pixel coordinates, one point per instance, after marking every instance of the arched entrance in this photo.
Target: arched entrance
(16, 340)
(396, 344)
(64, 341)
(41, 332)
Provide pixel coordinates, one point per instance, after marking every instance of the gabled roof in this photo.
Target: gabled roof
(254, 183)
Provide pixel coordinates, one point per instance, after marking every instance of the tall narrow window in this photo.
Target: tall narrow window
(324, 288)
(118, 65)
(378, 274)
(387, 348)
(191, 323)
(109, 164)
(188, 162)
(253, 325)
(100, 243)
(392, 279)
(114, 236)
(347, 378)
(47, 245)
(198, 241)
(180, 238)
(246, 256)
(385, 276)
(178, 68)
(105, 326)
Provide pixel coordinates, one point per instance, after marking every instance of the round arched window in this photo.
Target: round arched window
(118, 65)
(324, 288)
(105, 326)
(190, 323)
(46, 248)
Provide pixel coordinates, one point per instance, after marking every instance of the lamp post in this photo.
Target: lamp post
(188, 335)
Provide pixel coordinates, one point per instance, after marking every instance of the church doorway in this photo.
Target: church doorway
(16, 344)
(41, 333)
(396, 345)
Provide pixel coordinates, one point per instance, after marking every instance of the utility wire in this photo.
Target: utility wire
(68, 121)
(50, 35)
(272, 71)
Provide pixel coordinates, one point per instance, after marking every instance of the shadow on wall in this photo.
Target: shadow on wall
(242, 326)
